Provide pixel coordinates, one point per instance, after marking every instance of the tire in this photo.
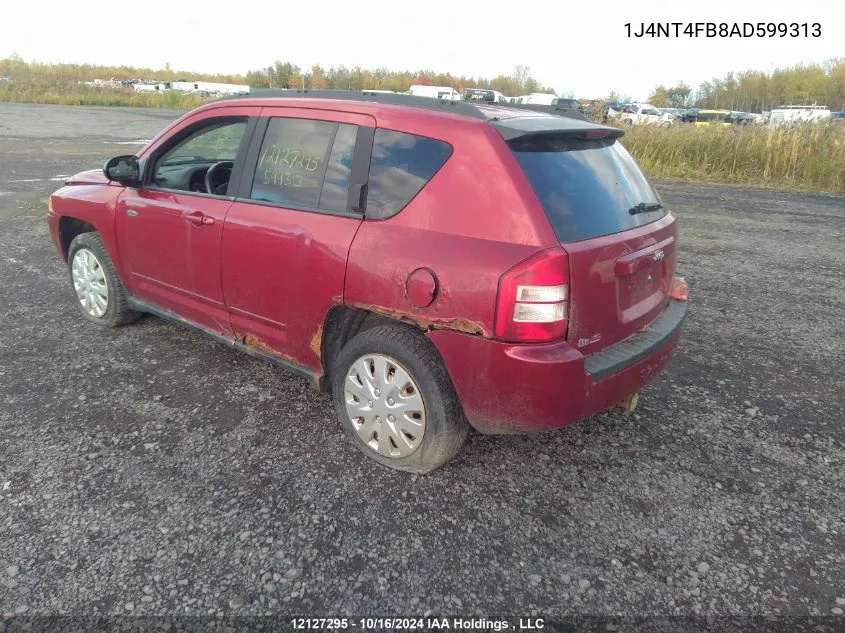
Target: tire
(114, 308)
(445, 427)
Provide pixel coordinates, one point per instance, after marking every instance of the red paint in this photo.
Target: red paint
(610, 291)
(535, 387)
(170, 258)
(268, 276)
(421, 287)
(281, 269)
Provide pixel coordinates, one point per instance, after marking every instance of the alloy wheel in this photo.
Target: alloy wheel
(89, 282)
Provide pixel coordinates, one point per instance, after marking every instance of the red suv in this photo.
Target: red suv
(432, 264)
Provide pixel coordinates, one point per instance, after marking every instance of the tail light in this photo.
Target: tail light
(533, 296)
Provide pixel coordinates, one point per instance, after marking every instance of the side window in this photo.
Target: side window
(184, 166)
(401, 165)
(305, 163)
(336, 184)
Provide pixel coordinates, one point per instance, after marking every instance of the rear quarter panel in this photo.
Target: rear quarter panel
(468, 225)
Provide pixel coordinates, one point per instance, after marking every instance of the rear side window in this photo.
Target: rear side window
(586, 187)
(400, 167)
(305, 163)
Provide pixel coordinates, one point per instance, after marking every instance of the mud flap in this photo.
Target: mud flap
(629, 402)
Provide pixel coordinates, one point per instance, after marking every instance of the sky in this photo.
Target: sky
(579, 46)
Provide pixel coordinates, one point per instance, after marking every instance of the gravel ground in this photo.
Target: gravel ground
(149, 471)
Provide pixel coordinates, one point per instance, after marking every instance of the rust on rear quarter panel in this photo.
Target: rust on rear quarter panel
(457, 324)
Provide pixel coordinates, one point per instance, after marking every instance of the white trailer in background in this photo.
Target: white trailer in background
(786, 115)
(435, 92)
(149, 87)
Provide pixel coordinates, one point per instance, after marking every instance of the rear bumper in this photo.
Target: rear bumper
(507, 388)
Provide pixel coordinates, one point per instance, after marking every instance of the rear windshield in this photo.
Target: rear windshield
(587, 187)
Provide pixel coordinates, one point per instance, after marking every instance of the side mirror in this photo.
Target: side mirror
(123, 169)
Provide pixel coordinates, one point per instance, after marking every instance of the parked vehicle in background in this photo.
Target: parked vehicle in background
(567, 104)
(705, 118)
(435, 92)
(740, 118)
(643, 114)
(617, 108)
(318, 231)
(484, 95)
(538, 98)
(787, 115)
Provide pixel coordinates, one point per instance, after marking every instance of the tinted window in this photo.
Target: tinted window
(336, 182)
(401, 165)
(586, 187)
(297, 157)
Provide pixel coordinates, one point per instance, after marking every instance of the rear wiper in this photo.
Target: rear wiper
(645, 207)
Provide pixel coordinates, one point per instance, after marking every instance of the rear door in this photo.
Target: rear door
(620, 240)
(287, 235)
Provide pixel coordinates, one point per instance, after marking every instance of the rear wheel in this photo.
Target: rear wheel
(100, 295)
(396, 401)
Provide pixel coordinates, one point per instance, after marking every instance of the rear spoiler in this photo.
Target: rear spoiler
(553, 127)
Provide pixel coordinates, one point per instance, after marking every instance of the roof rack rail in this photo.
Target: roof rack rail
(444, 105)
(474, 109)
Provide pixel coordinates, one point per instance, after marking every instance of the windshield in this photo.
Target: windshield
(587, 188)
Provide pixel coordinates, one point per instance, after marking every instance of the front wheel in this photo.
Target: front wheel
(396, 401)
(100, 295)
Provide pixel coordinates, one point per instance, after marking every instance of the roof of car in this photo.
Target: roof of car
(556, 118)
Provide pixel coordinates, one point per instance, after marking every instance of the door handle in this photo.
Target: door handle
(199, 219)
(132, 213)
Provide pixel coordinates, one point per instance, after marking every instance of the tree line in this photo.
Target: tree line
(288, 75)
(756, 91)
(751, 90)
(278, 75)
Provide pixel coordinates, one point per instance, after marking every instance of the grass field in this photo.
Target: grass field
(69, 93)
(810, 157)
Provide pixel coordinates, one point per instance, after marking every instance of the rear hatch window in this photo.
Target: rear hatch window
(587, 187)
(611, 222)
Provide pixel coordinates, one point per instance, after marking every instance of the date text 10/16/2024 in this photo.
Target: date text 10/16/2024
(723, 29)
(419, 624)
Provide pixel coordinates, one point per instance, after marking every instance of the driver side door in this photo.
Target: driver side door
(169, 229)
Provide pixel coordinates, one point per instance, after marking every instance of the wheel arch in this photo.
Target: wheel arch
(341, 325)
(69, 228)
